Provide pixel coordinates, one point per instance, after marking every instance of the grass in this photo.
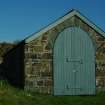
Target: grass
(12, 96)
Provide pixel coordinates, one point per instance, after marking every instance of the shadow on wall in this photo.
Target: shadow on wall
(2, 73)
(13, 66)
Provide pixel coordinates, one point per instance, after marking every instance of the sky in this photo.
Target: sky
(20, 18)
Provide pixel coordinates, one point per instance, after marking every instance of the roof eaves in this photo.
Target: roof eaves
(90, 23)
(58, 21)
(62, 19)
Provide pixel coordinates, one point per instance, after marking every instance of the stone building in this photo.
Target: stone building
(33, 64)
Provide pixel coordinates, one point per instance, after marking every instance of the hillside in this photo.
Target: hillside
(4, 47)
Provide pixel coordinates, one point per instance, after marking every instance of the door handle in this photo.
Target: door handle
(74, 60)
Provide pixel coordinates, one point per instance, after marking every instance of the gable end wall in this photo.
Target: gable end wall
(39, 57)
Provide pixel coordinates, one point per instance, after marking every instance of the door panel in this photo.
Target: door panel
(74, 63)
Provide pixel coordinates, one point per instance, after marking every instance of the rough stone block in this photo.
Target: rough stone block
(48, 47)
(46, 74)
(47, 55)
(40, 83)
(48, 83)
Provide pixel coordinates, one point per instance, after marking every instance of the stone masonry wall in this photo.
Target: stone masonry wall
(39, 57)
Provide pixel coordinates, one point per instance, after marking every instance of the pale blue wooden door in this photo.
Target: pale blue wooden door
(74, 63)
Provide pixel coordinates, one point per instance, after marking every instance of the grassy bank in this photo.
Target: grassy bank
(13, 96)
